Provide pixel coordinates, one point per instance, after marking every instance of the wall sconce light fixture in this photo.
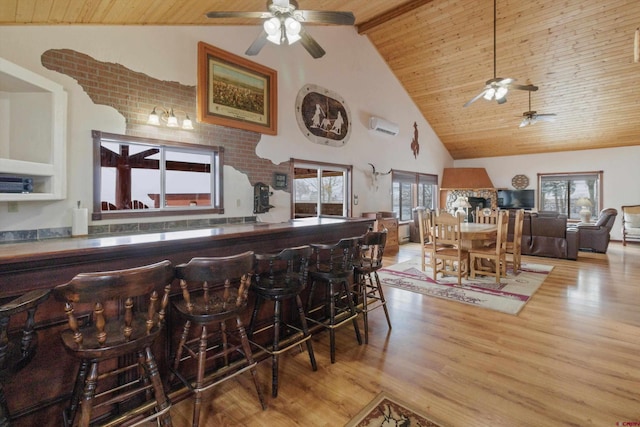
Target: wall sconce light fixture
(169, 116)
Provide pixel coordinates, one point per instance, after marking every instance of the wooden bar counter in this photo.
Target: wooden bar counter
(37, 394)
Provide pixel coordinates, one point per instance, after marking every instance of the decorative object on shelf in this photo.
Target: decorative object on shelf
(585, 212)
(236, 92)
(283, 25)
(415, 145)
(323, 116)
(15, 184)
(520, 182)
(169, 117)
(279, 180)
(462, 206)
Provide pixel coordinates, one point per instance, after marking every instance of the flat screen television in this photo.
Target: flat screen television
(517, 199)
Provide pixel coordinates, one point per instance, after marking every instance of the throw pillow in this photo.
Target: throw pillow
(632, 220)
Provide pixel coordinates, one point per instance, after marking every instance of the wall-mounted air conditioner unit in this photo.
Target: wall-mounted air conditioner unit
(384, 126)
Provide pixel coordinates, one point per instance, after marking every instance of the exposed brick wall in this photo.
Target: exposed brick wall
(135, 94)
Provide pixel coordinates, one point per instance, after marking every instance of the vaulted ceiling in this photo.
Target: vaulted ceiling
(578, 53)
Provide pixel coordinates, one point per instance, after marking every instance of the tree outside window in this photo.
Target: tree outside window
(569, 193)
(410, 190)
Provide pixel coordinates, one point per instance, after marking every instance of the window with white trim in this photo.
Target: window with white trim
(569, 193)
(410, 190)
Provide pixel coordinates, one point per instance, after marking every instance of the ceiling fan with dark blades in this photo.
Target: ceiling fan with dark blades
(283, 25)
(497, 87)
(531, 117)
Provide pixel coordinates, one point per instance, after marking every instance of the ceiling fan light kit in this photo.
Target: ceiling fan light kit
(531, 117)
(498, 87)
(282, 31)
(283, 25)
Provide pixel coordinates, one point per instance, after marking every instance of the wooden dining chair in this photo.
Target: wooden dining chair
(486, 215)
(492, 260)
(424, 229)
(514, 247)
(449, 257)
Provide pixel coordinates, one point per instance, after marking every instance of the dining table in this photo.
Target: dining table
(475, 235)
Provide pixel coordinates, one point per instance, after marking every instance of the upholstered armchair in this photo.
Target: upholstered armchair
(630, 223)
(596, 237)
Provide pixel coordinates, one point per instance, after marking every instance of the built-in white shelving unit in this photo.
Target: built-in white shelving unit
(33, 132)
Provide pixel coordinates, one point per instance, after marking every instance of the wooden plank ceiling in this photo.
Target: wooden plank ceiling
(579, 54)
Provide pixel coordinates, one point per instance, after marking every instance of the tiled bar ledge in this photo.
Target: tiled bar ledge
(117, 229)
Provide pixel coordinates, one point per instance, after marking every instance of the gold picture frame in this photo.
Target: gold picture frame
(235, 92)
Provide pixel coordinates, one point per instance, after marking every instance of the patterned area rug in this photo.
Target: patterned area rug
(385, 410)
(508, 296)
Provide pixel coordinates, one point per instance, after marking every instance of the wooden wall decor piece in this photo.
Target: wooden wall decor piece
(323, 116)
(415, 145)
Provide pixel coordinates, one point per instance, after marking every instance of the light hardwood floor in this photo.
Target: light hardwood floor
(571, 357)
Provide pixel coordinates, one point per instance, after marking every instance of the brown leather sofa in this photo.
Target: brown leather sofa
(546, 234)
(596, 237)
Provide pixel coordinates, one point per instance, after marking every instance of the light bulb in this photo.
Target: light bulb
(292, 25)
(272, 28)
(488, 95)
(172, 120)
(293, 28)
(187, 123)
(501, 92)
(154, 119)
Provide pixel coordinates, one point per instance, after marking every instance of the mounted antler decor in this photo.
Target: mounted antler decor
(375, 175)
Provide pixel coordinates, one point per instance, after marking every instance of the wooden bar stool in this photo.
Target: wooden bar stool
(118, 379)
(279, 278)
(368, 286)
(332, 266)
(16, 351)
(214, 293)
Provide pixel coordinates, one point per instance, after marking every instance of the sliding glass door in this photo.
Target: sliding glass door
(321, 190)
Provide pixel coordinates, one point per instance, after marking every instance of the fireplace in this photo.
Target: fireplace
(477, 202)
(488, 197)
(472, 183)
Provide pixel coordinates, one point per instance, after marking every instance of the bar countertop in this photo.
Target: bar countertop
(57, 249)
(47, 263)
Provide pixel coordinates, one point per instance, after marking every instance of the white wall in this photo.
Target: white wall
(621, 173)
(351, 68)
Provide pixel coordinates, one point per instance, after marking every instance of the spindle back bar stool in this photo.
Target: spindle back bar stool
(214, 296)
(331, 272)
(118, 378)
(279, 278)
